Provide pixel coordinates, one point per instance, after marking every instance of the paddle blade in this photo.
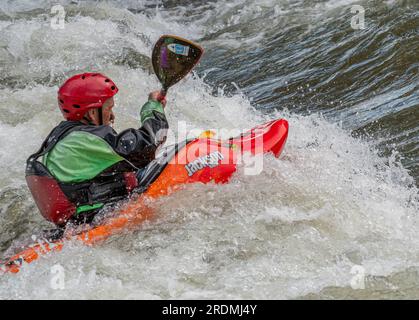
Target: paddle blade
(173, 58)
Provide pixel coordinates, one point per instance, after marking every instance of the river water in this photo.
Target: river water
(335, 217)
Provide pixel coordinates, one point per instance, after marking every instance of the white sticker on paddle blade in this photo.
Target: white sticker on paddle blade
(178, 49)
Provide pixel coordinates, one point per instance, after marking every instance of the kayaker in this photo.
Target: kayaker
(84, 164)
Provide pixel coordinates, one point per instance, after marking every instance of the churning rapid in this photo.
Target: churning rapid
(335, 217)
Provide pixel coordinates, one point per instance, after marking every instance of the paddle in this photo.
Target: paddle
(173, 58)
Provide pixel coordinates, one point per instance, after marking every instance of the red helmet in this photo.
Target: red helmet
(83, 92)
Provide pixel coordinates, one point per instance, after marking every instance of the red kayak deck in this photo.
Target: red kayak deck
(201, 160)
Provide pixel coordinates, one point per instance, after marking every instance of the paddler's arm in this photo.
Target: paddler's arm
(139, 145)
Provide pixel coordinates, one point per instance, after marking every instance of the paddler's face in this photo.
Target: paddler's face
(108, 116)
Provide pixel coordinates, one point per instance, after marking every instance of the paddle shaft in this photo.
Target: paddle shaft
(163, 93)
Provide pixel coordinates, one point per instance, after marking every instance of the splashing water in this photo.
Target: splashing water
(340, 196)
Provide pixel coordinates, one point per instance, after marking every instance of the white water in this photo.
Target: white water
(328, 204)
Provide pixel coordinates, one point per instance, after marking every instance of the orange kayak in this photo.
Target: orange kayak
(203, 160)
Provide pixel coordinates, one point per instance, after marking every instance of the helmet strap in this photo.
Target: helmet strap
(89, 122)
(101, 116)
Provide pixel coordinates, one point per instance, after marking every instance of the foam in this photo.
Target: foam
(330, 202)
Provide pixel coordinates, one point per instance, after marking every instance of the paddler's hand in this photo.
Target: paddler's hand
(156, 96)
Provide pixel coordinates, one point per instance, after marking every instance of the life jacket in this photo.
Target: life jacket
(58, 201)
